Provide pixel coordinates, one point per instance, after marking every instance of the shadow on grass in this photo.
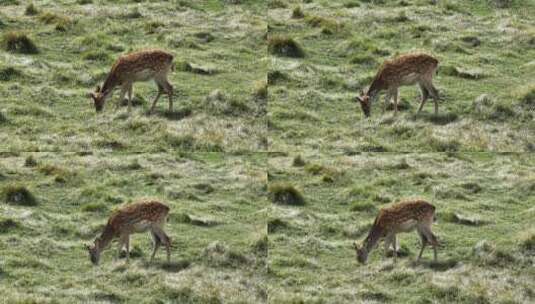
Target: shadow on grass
(438, 119)
(174, 266)
(175, 115)
(440, 265)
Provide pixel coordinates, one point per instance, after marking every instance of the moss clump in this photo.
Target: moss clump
(153, 27)
(297, 13)
(526, 97)
(527, 242)
(7, 225)
(9, 73)
(95, 207)
(277, 4)
(19, 195)
(30, 161)
(31, 10)
(298, 161)
(18, 42)
(133, 14)
(363, 207)
(285, 46)
(260, 89)
(285, 194)
(275, 76)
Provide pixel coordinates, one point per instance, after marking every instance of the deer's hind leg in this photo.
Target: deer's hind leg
(164, 239)
(423, 238)
(166, 87)
(425, 229)
(425, 95)
(433, 92)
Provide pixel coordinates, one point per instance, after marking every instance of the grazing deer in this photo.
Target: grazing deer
(138, 66)
(133, 218)
(402, 71)
(401, 217)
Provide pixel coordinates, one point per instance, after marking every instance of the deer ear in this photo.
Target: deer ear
(91, 94)
(361, 92)
(359, 98)
(98, 88)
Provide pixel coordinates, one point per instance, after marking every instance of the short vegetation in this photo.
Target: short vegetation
(312, 100)
(216, 223)
(53, 54)
(483, 221)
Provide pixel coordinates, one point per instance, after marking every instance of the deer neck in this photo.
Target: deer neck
(376, 86)
(373, 238)
(110, 83)
(106, 237)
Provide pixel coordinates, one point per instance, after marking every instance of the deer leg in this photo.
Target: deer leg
(160, 90)
(434, 93)
(130, 98)
(424, 243)
(431, 239)
(167, 88)
(156, 243)
(395, 245)
(124, 89)
(396, 97)
(165, 240)
(127, 248)
(388, 242)
(425, 95)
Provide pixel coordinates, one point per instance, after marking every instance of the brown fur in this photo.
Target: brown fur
(138, 66)
(136, 217)
(400, 217)
(404, 70)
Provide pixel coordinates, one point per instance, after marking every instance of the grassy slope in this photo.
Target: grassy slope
(43, 260)
(311, 259)
(313, 108)
(46, 106)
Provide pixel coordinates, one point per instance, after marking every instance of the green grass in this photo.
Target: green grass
(484, 208)
(56, 53)
(219, 253)
(345, 42)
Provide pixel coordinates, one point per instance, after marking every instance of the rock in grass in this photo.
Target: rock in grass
(19, 195)
(454, 217)
(285, 47)
(18, 42)
(466, 73)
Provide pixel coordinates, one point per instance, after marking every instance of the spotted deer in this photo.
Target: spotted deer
(404, 70)
(134, 218)
(138, 66)
(401, 217)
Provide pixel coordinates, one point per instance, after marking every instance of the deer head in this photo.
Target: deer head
(94, 251)
(365, 103)
(98, 98)
(362, 253)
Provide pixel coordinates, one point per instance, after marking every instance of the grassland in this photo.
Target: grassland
(54, 53)
(485, 209)
(324, 52)
(53, 203)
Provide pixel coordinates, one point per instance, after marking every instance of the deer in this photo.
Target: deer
(401, 217)
(142, 216)
(142, 65)
(404, 70)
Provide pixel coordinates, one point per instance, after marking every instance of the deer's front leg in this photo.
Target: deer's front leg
(130, 97)
(396, 96)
